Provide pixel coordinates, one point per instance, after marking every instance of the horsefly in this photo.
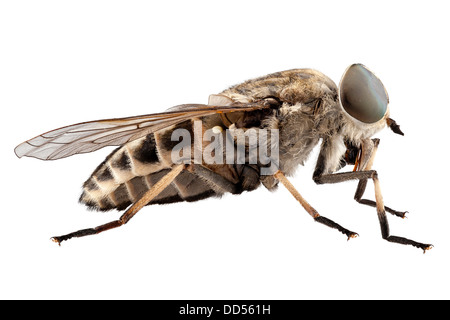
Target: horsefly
(254, 133)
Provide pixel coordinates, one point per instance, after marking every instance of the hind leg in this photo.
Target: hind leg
(138, 205)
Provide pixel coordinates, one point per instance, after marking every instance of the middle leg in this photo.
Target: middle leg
(317, 217)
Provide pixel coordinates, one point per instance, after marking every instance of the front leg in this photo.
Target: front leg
(370, 153)
(359, 193)
(366, 159)
(363, 159)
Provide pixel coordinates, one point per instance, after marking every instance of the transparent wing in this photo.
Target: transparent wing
(93, 135)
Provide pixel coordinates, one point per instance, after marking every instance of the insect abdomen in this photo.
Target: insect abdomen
(130, 171)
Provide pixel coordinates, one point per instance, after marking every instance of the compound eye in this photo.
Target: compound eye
(362, 94)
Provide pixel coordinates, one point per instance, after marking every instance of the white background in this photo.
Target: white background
(66, 62)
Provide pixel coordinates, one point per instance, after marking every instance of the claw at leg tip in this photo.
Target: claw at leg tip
(353, 235)
(54, 239)
(427, 248)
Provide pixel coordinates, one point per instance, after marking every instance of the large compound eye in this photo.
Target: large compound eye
(362, 94)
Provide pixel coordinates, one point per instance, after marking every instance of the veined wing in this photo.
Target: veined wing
(93, 135)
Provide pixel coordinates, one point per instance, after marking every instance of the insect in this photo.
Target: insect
(301, 107)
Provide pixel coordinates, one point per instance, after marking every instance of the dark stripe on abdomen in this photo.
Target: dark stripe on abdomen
(146, 152)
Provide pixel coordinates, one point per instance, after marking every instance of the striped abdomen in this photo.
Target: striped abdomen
(131, 170)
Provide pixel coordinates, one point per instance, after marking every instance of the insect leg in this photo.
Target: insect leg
(370, 155)
(215, 180)
(317, 217)
(138, 205)
(381, 212)
(359, 193)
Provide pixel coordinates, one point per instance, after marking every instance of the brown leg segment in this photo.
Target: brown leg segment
(146, 198)
(317, 217)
